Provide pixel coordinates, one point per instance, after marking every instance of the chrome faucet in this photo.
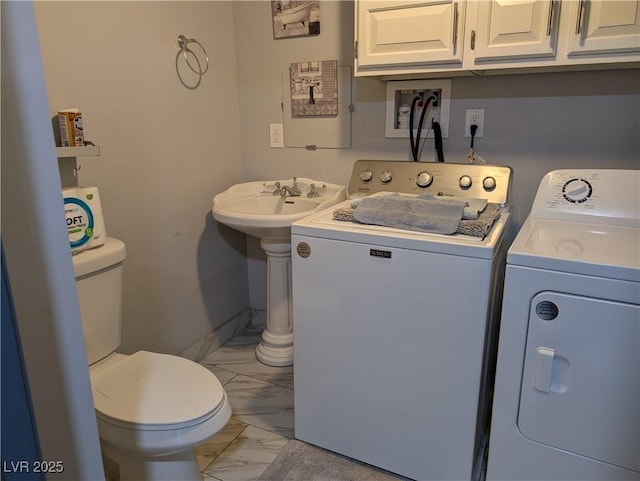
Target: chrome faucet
(292, 190)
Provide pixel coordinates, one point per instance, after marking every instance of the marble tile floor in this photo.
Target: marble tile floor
(262, 422)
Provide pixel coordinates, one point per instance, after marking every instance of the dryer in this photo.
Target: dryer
(394, 330)
(567, 392)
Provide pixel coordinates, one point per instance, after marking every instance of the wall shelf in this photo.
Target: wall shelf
(68, 162)
(86, 151)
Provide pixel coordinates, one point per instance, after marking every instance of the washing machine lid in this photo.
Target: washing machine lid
(155, 390)
(599, 250)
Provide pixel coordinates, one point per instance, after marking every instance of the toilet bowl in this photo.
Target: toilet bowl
(152, 409)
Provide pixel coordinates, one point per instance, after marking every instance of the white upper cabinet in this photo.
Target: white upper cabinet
(444, 37)
(514, 29)
(408, 33)
(604, 27)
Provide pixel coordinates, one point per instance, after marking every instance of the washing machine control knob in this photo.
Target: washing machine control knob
(489, 183)
(577, 190)
(386, 177)
(424, 179)
(366, 175)
(465, 182)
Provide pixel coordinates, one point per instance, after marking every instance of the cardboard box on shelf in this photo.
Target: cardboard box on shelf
(70, 125)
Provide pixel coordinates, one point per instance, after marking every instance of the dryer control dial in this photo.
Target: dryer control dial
(366, 175)
(465, 182)
(577, 190)
(424, 179)
(386, 177)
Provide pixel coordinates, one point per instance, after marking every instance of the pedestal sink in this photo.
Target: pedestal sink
(266, 210)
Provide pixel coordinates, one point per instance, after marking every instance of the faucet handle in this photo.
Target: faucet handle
(275, 186)
(295, 182)
(313, 192)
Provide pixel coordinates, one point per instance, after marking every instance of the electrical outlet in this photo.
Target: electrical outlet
(276, 136)
(474, 117)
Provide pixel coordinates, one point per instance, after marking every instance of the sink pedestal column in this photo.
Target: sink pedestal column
(276, 347)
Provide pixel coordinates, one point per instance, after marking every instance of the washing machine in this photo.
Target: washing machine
(395, 330)
(567, 390)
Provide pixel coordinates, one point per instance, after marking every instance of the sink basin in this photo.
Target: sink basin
(252, 208)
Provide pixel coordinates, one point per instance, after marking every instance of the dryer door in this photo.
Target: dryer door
(581, 382)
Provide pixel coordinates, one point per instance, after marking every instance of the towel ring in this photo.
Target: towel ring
(185, 52)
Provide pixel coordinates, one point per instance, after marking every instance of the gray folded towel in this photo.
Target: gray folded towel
(477, 228)
(481, 226)
(343, 214)
(421, 213)
(474, 208)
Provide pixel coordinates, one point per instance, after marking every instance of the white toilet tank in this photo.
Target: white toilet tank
(99, 282)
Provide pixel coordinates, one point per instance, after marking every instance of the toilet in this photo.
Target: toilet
(152, 409)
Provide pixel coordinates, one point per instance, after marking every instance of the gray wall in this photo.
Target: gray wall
(165, 152)
(533, 122)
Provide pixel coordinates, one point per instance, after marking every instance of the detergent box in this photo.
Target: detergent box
(70, 125)
(85, 223)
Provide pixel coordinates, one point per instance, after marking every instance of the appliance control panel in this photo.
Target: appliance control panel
(604, 196)
(491, 182)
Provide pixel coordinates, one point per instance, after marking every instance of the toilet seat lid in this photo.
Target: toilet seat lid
(154, 389)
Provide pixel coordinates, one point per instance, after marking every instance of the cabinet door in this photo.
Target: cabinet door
(605, 26)
(408, 32)
(513, 29)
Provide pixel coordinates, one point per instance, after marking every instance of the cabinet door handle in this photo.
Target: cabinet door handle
(552, 7)
(455, 26)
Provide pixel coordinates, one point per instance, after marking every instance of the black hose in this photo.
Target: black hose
(437, 134)
(415, 146)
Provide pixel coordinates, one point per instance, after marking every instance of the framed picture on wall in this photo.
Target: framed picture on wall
(295, 18)
(314, 88)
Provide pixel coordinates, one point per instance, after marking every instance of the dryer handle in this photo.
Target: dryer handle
(551, 371)
(544, 369)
